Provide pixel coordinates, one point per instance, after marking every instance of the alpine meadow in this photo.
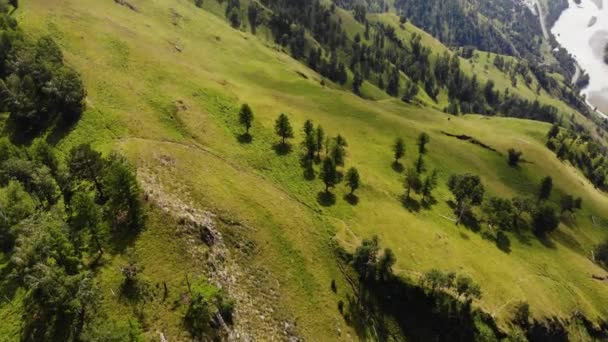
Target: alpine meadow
(311, 170)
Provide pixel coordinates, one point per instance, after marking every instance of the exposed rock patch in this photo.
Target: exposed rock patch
(206, 243)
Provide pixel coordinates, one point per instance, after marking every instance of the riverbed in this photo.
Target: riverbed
(585, 38)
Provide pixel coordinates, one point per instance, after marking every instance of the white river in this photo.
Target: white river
(585, 38)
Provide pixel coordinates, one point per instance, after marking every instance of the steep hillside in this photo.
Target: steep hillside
(166, 80)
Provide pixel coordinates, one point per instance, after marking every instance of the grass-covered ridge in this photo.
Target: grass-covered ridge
(165, 85)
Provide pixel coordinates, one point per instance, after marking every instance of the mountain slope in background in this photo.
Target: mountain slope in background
(166, 80)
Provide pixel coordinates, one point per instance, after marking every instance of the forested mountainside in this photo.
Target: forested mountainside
(207, 170)
(505, 27)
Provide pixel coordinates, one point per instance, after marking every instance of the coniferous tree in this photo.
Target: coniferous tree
(398, 149)
(246, 117)
(546, 186)
(329, 174)
(423, 140)
(283, 129)
(428, 185)
(412, 182)
(420, 164)
(353, 179)
(319, 139)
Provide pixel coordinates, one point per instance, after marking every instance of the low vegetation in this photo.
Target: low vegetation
(114, 239)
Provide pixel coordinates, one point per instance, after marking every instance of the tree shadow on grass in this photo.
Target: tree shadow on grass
(428, 202)
(503, 242)
(307, 165)
(282, 149)
(546, 241)
(326, 198)
(352, 199)
(244, 138)
(410, 204)
(522, 237)
(470, 221)
(309, 173)
(121, 239)
(61, 129)
(397, 166)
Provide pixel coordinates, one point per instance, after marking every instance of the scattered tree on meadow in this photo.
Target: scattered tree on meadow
(398, 149)
(319, 139)
(545, 220)
(420, 164)
(412, 182)
(521, 205)
(329, 174)
(499, 213)
(338, 151)
(352, 179)
(246, 117)
(546, 186)
(514, 157)
(422, 141)
(467, 190)
(428, 185)
(310, 143)
(283, 129)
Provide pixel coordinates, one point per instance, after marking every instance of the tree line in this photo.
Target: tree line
(401, 68)
(36, 87)
(582, 151)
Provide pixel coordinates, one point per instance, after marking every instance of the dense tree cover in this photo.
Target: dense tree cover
(458, 23)
(402, 68)
(36, 88)
(582, 151)
(439, 304)
(56, 224)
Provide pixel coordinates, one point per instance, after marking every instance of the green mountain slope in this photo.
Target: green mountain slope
(165, 84)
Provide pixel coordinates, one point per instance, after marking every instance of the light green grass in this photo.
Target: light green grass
(135, 76)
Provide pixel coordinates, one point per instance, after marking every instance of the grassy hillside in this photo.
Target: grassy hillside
(165, 85)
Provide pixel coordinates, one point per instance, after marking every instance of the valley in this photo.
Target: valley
(240, 211)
